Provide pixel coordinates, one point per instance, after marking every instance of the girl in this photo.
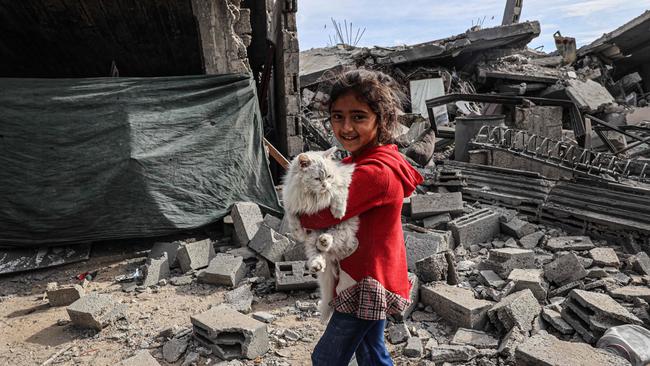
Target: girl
(373, 281)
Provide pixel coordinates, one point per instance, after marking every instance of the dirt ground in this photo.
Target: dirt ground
(31, 331)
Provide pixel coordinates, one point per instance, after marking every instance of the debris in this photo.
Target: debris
(270, 244)
(604, 257)
(478, 227)
(174, 348)
(641, 263)
(564, 269)
(181, 280)
(195, 255)
(564, 243)
(629, 293)
(95, 311)
(263, 317)
(155, 270)
(531, 241)
(171, 248)
(246, 217)
(413, 348)
(290, 276)
(64, 296)
(517, 228)
(503, 261)
(433, 268)
(474, 338)
(423, 245)
(544, 349)
(437, 221)
(529, 279)
(398, 333)
(425, 205)
(240, 298)
(223, 270)
(555, 320)
(453, 353)
(515, 310)
(490, 278)
(414, 296)
(457, 305)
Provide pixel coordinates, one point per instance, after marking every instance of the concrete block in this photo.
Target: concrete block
(437, 221)
(240, 299)
(604, 257)
(270, 244)
(414, 296)
(513, 339)
(630, 293)
(174, 348)
(452, 353)
(474, 338)
(223, 270)
(531, 279)
(195, 255)
(413, 348)
(474, 228)
(295, 252)
(517, 228)
(515, 310)
(432, 268)
(171, 248)
(230, 334)
(503, 261)
(246, 217)
(398, 333)
(491, 278)
(156, 269)
(555, 320)
(456, 305)
(96, 311)
(566, 243)
(290, 276)
(262, 269)
(592, 313)
(263, 316)
(65, 296)
(531, 241)
(641, 263)
(564, 269)
(565, 289)
(422, 245)
(425, 205)
(142, 358)
(272, 222)
(546, 350)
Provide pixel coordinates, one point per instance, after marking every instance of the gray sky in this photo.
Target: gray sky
(389, 23)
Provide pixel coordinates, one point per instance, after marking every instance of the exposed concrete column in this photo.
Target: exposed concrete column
(513, 12)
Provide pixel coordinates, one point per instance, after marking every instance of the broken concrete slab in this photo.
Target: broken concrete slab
(474, 228)
(531, 279)
(423, 245)
(437, 221)
(270, 244)
(432, 268)
(518, 309)
(641, 263)
(223, 270)
(142, 358)
(246, 217)
(517, 228)
(453, 353)
(604, 257)
(588, 94)
(295, 252)
(174, 348)
(554, 318)
(566, 243)
(398, 333)
(240, 299)
(413, 348)
(629, 293)
(96, 311)
(474, 338)
(272, 222)
(531, 241)
(513, 339)
(545, 349)
(263, 316)
(155, 269)
(171, 248)
(195, 255)
(564, 269)
(291, 276)
(230, 334)
(425, 205)
(64, 296)
(456, 305)
(503, 261)
(491, 278)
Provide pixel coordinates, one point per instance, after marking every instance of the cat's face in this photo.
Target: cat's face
(316, 170)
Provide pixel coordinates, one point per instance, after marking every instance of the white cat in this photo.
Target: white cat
(315, 182)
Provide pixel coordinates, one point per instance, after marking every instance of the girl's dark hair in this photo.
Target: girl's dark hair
(378, 90)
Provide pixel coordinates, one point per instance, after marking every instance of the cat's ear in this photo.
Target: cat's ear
(303, 160)
(330, 152)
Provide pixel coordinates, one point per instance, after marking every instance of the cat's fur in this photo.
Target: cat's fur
(315, 182)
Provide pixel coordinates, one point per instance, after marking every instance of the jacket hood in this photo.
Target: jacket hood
(389, 156)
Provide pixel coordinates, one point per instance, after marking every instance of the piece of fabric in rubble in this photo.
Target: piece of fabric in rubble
(111, 158)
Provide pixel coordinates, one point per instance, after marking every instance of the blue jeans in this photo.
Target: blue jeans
(346, 335)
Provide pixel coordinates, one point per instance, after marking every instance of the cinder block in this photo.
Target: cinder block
(223, 270)
(155, 270)
(504, 260)
(566, 243)
(424, 205)
(456, 305)
(437, 221)
(531, 279)
(290, 276)
(515, 310)
(517, 228)
(65, 296)
(246, 217)
(478, 227)
(270, 244)
(142, 358)
(422, 245)
(96, 311)
(195, 255)
(230, 334)
(171, 248)
(564, 269)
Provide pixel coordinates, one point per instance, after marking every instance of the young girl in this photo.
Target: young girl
(374, 280)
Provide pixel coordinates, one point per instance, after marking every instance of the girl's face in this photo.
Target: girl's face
(353, 122)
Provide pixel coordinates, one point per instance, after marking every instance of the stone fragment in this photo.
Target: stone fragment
(272, 222)
(597, 272)
(181, 280)
(230, 334)
(513, 339)
(518, 309)
(240, 299)
(262, 269)
(566, 243)
(629, 293)
(491, 278)
(529, 279)
(432, 268)
(155, 270)
(565, 289)
(195, 255)
(414, 296)
(223, 270)
(456, 305)
(413, 348)
(295, 252)
(96, 311)
(604, 257)
(263, 316)
(171, 248)
(424, 205)
(398, 333)
(142, 358)
(641, 263)
(290, 276)
(244, 252)
(246, 217)
(422, 245)
(477, 227)
(437, 221)
(65, 296)
(503, 261)
(544, 349)
(517, 228)
(531, 241)
(270, 244)
(474, 338)
(174, 348)
(453, 353)
(555, 320)
(564, 269)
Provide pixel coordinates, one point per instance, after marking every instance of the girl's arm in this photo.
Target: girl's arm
(367, 190)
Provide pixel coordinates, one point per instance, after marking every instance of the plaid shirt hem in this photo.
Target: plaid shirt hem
(369, 300)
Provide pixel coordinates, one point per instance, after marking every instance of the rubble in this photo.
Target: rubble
(478, 227)
(604, 257)
(155, 270)
(544, 349)
(438, 267)
(413, 348)
(458, 306)
(290, 276)
(564, 243)
(503, 261)
(474, 338)
(414, 296)
(223, 270)
(398, 333)
(555, 320)
(531, 241)
(426, 205)
(171, 248)
(564, 269)
(240, 298)
(270, 244)
(423, 245)
(530, 279)
(453, 353)
(142, 358)
(95, 311)
(491, 278)
(629, 293)
(64, 296)
(515, 310)
(195, 255)
(246, 217)
(641, 263)
(517, 228)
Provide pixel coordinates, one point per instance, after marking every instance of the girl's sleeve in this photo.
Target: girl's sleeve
(367, 190)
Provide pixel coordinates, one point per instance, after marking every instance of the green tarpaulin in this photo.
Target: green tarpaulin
(111, 158)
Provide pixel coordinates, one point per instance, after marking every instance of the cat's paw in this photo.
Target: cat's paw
(316, 264)
(324, 242)
(338, 212)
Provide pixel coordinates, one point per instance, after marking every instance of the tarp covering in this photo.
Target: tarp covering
(110, 158)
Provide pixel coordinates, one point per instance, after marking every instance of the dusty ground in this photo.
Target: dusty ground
(31, 331)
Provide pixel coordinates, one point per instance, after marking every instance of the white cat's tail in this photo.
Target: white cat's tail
(327, 283)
